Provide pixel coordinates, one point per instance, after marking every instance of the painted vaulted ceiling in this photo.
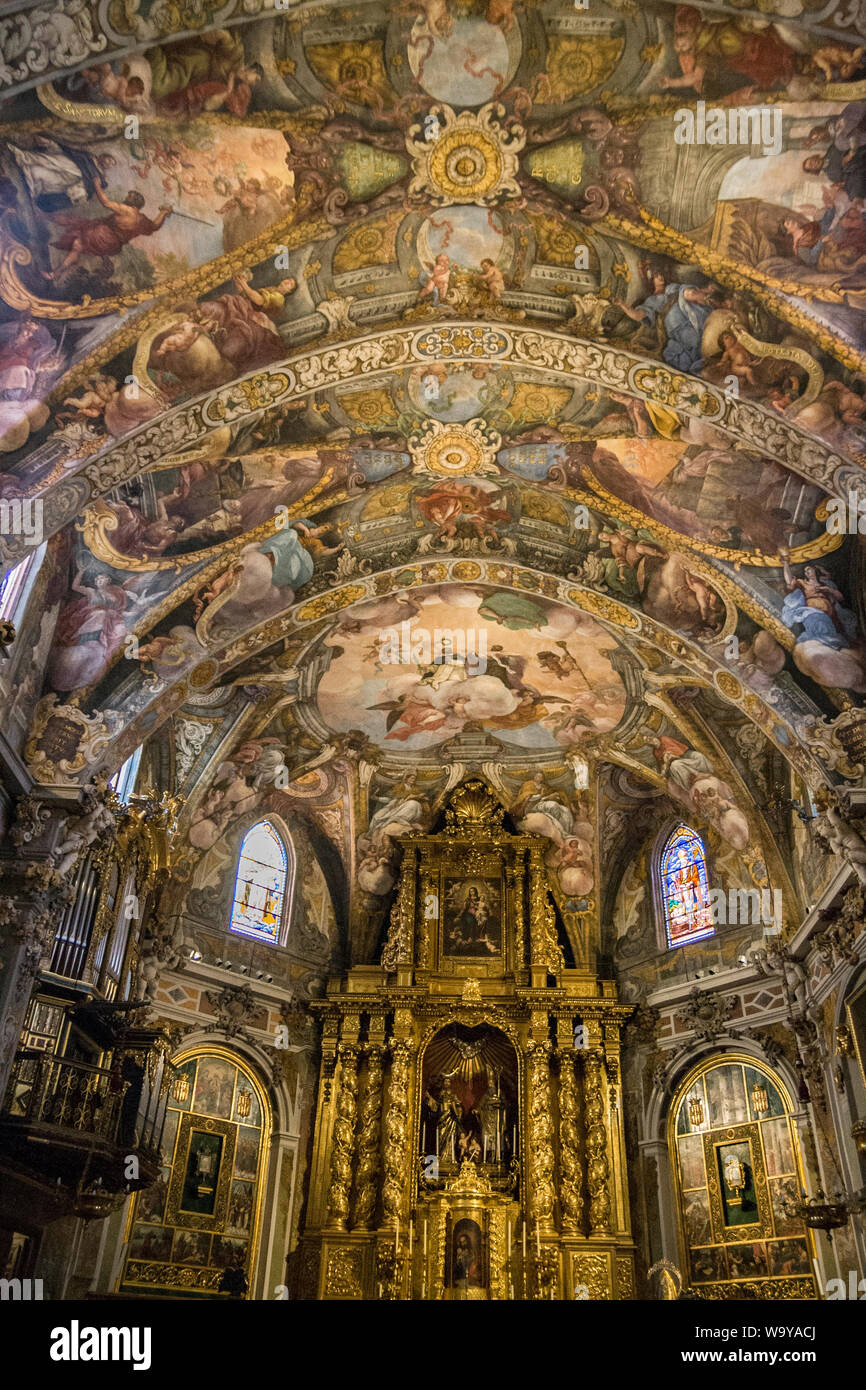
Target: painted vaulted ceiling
(324, 328)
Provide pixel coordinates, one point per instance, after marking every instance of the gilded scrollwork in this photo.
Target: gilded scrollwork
(343, 1274)
(625, 1277)
(545, 350)
(398, 947)
(774, 1290)
(593, 1273)
(472, 157)
(545, 948)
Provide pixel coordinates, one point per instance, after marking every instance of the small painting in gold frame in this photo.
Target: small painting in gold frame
(472, 917)
(201, 1178)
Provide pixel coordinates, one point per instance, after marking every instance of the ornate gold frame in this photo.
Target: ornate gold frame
(773, 1287)
(266, 1129)
(859, 1043)
(753, 1230)
(191, 1124)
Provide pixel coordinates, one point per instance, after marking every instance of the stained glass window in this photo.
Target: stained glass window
(688, 914)
(261, 884)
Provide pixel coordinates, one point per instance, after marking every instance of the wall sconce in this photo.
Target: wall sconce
(244, 1104)
(180, 1089)
(760, 1100)
(696, 1113)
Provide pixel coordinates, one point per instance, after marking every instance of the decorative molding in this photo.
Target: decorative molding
(372, 356)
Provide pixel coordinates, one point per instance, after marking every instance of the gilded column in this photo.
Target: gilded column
(397, 1176)
(541, 1135)
(571, 1194)
(546, 952)
(598, 1167)
(516, 875)
(399, 947)
(369, 1127)
(343, 1139)
(427, 914)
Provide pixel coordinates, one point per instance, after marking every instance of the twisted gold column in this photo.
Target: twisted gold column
(343, 1139)
(570, 1178)
(598, 1166)
(396, 1179)
(369, 1125)
(541, 1135)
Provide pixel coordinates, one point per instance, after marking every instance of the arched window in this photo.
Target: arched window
(263, 884)
(16, 584)
(684, 887)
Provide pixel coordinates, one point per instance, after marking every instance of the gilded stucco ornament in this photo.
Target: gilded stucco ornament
(63, 741)
(471, 158)
(455, 451)
(706, 1015)
(840, 742)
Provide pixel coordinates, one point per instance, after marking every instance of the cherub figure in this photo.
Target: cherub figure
(437, 279)
(90, 405)
(95, 820)
(836, 62)
(736, 360)
(492, 278)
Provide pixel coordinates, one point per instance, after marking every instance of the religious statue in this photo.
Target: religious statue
(843, 840)
(449, 1116)
(95, 820)
(470, 1137)
(493, 1120)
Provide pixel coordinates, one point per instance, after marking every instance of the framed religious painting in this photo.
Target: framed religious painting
(467, 1274)
(472, 918)
(200, 1187)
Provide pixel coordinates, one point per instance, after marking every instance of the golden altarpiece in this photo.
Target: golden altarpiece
(469, 1136)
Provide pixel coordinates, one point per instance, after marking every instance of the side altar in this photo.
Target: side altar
(468, 1136)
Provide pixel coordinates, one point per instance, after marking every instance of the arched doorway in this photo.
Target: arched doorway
(737, 1173)
(201, 1217)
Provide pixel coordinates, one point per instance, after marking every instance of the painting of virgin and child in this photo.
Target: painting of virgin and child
(472, 920)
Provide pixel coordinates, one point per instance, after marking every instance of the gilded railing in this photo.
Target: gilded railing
(73, 1095)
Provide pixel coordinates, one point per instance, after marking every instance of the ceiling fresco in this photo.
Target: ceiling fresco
(459, 386)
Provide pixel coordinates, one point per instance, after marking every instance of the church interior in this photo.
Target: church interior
(433, 650)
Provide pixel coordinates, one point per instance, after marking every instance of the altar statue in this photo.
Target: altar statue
(492, 1120)
(450, 1114)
